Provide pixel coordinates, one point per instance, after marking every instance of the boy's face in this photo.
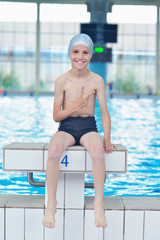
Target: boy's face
(80, 56)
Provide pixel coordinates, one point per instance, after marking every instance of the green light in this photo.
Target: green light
(99, 49)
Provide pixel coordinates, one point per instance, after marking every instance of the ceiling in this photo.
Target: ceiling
(121, 2)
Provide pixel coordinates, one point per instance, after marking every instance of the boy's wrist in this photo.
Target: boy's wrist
(73, 110)
(107, 140)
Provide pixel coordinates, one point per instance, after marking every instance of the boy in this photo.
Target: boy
(74, 106)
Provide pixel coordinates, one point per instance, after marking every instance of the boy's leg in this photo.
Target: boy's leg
(94, 144)
(58, 144)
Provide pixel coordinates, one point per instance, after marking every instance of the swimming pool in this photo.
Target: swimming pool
(135, 124)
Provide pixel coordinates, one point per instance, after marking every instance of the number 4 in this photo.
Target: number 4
(64, 161)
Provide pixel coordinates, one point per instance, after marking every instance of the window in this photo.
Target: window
(134, 54)
(17, 46)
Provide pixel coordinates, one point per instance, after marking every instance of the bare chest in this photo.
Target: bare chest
(73, 90)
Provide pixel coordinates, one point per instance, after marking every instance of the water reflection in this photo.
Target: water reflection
(135, 124)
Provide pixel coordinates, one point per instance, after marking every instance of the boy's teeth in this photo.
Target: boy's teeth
(79, 61)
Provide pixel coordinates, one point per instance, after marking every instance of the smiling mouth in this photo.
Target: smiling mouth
(79, 61)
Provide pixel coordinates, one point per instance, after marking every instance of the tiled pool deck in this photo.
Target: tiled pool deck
(129, 218)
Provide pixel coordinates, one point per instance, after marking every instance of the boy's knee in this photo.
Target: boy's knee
(97, 151)
(55, 152)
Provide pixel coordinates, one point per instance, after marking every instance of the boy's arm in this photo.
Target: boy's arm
(106, 121)
(60, 114)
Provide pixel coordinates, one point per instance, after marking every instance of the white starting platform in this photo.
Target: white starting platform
(71, 214)
(32, 157)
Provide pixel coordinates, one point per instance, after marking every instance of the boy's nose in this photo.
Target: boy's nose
(80, 55)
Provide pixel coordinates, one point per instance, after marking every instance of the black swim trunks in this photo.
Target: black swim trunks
(78, 126)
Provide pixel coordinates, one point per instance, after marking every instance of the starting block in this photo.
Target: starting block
(74, 163)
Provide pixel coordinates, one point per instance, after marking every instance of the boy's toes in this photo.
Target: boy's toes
(104, 224)
(51, 225)
(97, 223)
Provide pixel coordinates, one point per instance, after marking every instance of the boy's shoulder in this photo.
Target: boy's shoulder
(97, 77)
(61, 78)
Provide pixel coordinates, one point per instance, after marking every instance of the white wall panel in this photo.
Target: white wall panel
(74, 192)
(152, 225)
(24, 159)
(14, 223)
(114, 230)
(73, 224)
(91, 231)
(70, 160)
(57, 232)
(134, 225)
(1, 223)
(115, 161)
(33, 224)
(75, 160)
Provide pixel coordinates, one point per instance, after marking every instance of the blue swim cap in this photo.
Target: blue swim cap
(83, 39)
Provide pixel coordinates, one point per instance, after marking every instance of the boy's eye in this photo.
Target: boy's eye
(75, 51)
(86, 52)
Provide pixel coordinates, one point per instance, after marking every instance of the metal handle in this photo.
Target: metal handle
(42, 184)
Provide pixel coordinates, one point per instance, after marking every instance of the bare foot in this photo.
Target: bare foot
(100, 218)
(49, 218)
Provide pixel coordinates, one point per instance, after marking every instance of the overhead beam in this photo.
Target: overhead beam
(136, 2)
(49, 1)
(119, 2)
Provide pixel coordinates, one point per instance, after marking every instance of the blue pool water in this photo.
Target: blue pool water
(135, 124)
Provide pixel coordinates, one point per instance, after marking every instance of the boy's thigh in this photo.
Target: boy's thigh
(91, 138)
(63, 139)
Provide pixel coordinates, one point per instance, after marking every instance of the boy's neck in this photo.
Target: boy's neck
(79, 73)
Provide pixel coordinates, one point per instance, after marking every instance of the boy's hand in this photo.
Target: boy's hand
(108, 146)
(82, 100)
